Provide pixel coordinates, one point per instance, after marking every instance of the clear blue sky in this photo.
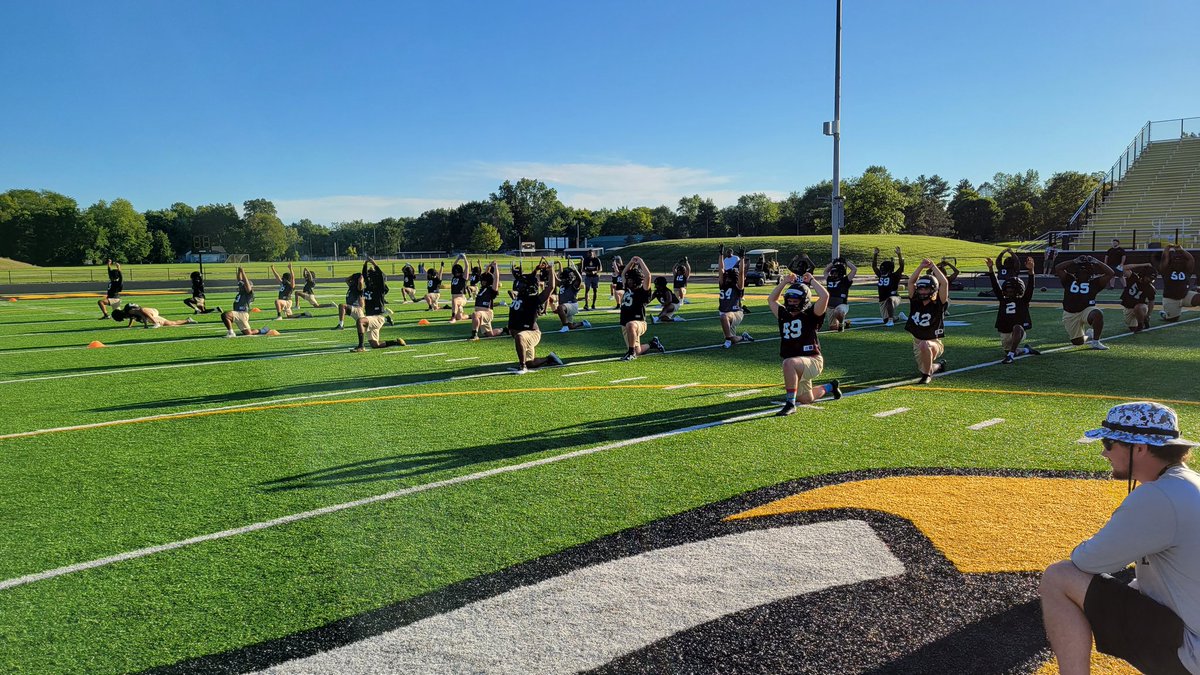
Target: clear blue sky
(338, 111)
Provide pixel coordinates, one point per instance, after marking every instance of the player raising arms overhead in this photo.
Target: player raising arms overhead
(116, 284)
(730, 289)
(458, 288)
(309, 292)
(523, 325)
(569, 282)
(354, 300)
(1137, 298)
(433, 286)
(929, 296)
(633, 310)
(799, 318)
(373, 319)
(1081, 284)
(839, 277)
(196, 302)
(287, 286)
(408, 289)
(887, 278)
(485, 302)
(669, 301)
(1012, 319)
(240, 314)
(1176, 266)
(680, 275)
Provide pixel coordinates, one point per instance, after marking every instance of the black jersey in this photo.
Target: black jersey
(473, 280)
(591, 267)
(353, 297)
(889, 284)
(1139, 293)
(410, 277)
(618, 279)
(798, 333)
(839, 293)
(486, 297)
(1012, 312)
(568, 289)
(373, 301)
(633, 304)
(681, 278)
(730, 299)
(666, 296)
(286, 288)
(1112, 257)
(197, 288)
(115, 283)
(310, 284)
(523, 313)
(434, 284)
(243, 299)
(1079, 295)
(926, 321)
(1175, 284)
(458, 285)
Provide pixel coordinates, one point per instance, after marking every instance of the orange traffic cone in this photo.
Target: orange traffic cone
(272, 332)
(255, 309)
(96, 344)
(423, 322)
(12, 299)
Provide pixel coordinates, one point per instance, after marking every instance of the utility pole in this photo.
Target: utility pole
(837, 205)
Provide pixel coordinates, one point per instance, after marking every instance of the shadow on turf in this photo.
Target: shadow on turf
(215, 360)
(578, 435)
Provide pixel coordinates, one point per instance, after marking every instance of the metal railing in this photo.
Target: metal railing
(1161, 131)
(1152, 236)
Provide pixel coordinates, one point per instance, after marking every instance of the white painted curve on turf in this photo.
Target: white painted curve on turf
(588, 617)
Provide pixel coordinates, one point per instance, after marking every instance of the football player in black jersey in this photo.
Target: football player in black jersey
(373, 319)
(1007, 265)
(239, 316)
(546, 276)
(617, 285)
(1082, 279)
(354, 301)
(569, 282)
(1012, 318)
(680, 276)
(458, 288)
(1137, 297)
(839, 277)
(408, 290)
(148, 316)
(669, 301)
(1176, 267)
(950, 270)
(633, 310)
(799, 319)
(731, 286)
(287, 287)
(473, 281)
(523, 326)
(929, 296)
(485, 303)
(887, 278)
(309, 292)
(116, 284)
(591, 277)
(196, 302)
(433, 286)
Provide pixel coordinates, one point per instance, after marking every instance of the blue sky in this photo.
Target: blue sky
(337, 111)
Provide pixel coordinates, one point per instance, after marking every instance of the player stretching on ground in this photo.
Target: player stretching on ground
(354, 301)
(633, 310)
(523, 325)
(668, 300)
(591, 278)
(485, 300)
(929, 296)
(433, 286)
(730, 288)
(240, 314)
(682, 272)
(375, 282)
(799, 319)
(308, 293)
(839, 277)
(1176, 267)
(116, 283)
(196, 302)
(473, 281)
(1137, 298)
(458, 288)
(149, 317)
(1081, 285)
(408, 290)
(1013, 321)
(569, 282)
(888, 277)
(287, 287)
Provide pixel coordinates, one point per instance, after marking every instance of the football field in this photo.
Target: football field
(184, 501)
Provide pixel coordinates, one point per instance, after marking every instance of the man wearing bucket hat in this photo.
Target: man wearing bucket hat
(1153, 622)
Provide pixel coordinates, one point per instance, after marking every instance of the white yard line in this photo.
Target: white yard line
(986, 423)
(586, 372)
(889, 413)
(464, 358)
(426, 356)
(680, 386)
(746, 392)
(627, 379)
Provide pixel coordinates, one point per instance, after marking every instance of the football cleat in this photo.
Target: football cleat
(747, 338)
(657, 346)
(555, 359)
(587, 324)
(1096, 344)
(1008, 358)
(728, 344)
(925, 379)
(787, 409)
(835, 389)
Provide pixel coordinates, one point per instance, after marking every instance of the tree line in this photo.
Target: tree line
(47, 228)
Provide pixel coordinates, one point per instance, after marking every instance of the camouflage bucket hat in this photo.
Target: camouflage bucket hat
(1141, 422)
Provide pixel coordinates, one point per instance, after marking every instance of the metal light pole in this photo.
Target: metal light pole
(837, 206)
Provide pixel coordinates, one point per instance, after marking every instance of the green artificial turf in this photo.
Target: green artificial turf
(77, 495)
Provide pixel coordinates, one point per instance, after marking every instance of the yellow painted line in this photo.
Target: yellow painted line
(1052, 394)
(360, 399)
(68, 296)
(982, 524)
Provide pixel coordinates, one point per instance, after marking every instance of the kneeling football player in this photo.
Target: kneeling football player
(799, 319)
(1013, 321)
(929, 296)
(1081, 284)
